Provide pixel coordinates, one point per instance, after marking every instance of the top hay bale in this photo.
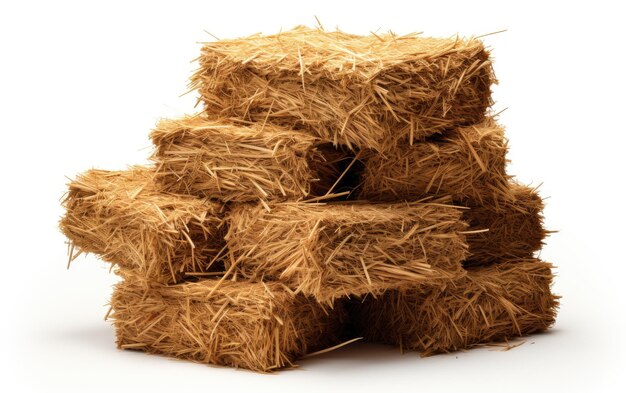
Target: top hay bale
(360, 91)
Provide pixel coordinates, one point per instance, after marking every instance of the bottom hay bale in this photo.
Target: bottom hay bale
(488, 304)
(259, 326)
(515, 227)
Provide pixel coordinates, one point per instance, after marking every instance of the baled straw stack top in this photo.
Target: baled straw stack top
(125, 219)
(359, 91)
(230, 161)
(257, 326)
(330, 251)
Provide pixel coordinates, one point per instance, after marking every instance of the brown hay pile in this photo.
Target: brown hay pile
(231, 251)
(489, 304)
(515, 227)
(259, 326)
(233, 162)
(334, 250)
(467, 163)
(361, 91)
(125, 219)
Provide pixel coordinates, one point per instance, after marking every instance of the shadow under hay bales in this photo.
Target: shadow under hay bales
(355, 356)
(101, 336)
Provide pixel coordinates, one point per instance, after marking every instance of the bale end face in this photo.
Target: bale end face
(125, 219)
(515, 227)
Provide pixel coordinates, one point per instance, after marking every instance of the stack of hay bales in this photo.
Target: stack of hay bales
(335, 186)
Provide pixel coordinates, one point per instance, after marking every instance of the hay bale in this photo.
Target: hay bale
(360, 91)
(334, 250)
(467, 163)
(515, 227)
(125, 219)
(489, 304)
(256, 326)
(234, 162)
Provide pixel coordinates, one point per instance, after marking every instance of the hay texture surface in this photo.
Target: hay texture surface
(467, 163)
(259, 326)
(515, 227)
(122, 217)
(234, 162)
(334, 250)
(360, 91)
(489, 304)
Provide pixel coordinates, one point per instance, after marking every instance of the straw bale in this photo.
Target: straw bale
(467, 163)
(335, 250)
(488, 304)
(515, 227)
(124, 218)
(257, 326)
(361, 91)
(231, 161)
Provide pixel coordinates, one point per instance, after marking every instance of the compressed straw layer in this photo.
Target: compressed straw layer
(125, 219)
(489, 304)
(361, 91)
(334, 250)
(234, 162)
(259, 326)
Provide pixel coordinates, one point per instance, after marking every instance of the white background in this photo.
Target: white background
(82, 84)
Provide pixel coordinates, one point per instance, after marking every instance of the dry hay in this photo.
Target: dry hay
(515, 227)
(468, 163)
(256, 326)
(234, 162)
(360, 91)
(489, 304)
(125, 219)
(334, 250)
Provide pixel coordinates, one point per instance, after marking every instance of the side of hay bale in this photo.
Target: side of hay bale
(489, 304)
(235, 162)
(126, 220)
(334, 250)
(467, 163)
(256, 326)
(360, 91)
(515, 227)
